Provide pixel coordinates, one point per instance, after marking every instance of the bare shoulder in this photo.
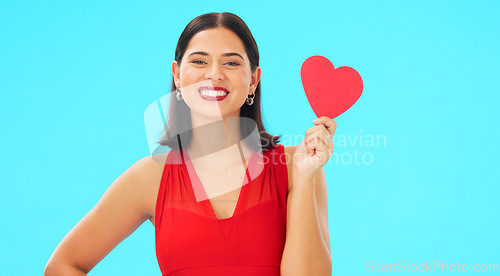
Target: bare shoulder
(141, 181)
(289, 152)
(149, 171)
(144, 181)
(149, 168)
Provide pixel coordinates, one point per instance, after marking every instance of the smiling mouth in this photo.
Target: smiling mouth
(212, 93)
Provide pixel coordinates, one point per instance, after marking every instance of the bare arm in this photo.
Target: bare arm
(307, 246)
(63, 270)
(119, 212)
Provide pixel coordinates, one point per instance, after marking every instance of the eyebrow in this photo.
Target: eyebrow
(224, 55)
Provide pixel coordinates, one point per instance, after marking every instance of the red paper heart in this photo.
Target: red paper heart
(330, 91)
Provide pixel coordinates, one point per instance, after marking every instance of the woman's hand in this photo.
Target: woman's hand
(315, 150)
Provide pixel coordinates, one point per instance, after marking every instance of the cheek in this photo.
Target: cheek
(241, 81)
(190, 75)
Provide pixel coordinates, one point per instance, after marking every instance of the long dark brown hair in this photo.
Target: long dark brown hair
(179, 116)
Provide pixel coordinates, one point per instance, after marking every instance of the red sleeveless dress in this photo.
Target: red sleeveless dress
(189, 238)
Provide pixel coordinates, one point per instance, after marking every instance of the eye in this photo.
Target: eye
(198, 62)
(232, 63)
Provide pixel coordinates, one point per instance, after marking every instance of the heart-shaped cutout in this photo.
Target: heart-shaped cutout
(330, 91)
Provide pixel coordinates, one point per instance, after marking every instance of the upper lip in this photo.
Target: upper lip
(215, 88)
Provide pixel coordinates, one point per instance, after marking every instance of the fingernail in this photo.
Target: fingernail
(316, 121)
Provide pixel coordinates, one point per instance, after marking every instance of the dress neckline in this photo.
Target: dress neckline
(200, 193)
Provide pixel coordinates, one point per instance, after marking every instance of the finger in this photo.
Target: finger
(322, 147)
(323, 151)
(330, 124)
(316, 128)
(311, 146)
(325, 137)
(319, 144)
(312, 136)
(321, 133)
(313, 129)
(327, 140)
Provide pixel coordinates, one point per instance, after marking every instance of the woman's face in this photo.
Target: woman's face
(214, 75)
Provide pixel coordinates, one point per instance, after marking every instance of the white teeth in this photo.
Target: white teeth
(212, 93)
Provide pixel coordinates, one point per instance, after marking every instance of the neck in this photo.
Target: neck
(210, 136)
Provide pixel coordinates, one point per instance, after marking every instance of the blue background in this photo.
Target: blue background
(76, 78)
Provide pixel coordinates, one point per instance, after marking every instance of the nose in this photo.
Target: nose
(214, 72)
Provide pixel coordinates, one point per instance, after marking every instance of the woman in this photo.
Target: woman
(214, 214)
